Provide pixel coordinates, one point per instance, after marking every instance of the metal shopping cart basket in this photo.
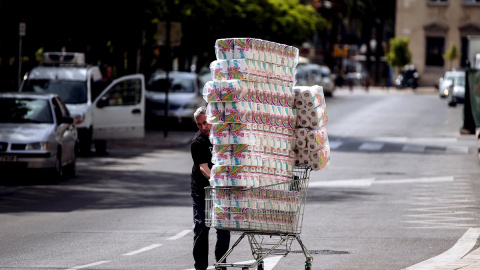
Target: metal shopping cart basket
(270, 216)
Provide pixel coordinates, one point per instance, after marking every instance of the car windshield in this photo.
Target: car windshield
(71, 92)
(177, 85)
(25, 110)
(461, 81)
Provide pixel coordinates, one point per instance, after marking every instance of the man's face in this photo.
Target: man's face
(202, 124)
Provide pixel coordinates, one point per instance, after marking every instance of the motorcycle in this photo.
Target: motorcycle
(408, 78)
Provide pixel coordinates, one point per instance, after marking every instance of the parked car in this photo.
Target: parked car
(456, 93)
(37, 132)
(98, 114)
(445, 82)
(314, 74)
(184, 96)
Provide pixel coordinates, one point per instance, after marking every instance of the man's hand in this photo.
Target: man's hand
(205, 170)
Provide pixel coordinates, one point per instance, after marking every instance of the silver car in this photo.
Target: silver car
(37, 133)
(184, 96)
(456, 92)
(313, 74)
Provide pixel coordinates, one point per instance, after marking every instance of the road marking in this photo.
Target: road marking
(457, 149)
(462, 247)
(366, 182)
(142, 249)
(369, 146)
(268, 263)
(343, 183)
(416, 180)
(88, 265)
(413, 148)
(335, 144)
(179, 235)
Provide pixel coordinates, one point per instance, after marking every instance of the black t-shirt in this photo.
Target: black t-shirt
(201, 153)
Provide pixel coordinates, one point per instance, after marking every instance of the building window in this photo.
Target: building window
(438, 1)
(434, 51)
(471, 1)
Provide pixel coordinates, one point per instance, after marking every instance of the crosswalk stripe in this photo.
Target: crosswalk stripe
(335, 144)
(413, 148)
(370, 146)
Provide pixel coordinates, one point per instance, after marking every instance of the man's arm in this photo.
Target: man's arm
(205, 170)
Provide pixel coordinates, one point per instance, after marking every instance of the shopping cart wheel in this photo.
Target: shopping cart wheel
(260, 266)
(308, 266)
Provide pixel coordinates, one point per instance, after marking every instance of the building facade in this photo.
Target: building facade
(433, 27)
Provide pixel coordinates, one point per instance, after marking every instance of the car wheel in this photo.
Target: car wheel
(452, 102)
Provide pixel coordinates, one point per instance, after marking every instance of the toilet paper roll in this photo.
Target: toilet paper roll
(303, 121)
(219, 70)
(219, 175)
(233, 90)
(243, 154)
(220, 134)
(316, 139)
(313, 97)
(319, 115)
(258, 52)
(224, 48)
(304, 112)
(215, 112)
(321, 159)
(241, 133)
(212, 91)
(243, 48)
(239, 69)
(300, 143)
(222, 154)
(301, 133)
(239, 175)
(234, 112)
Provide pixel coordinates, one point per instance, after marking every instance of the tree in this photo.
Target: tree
(399, 55)
(283, 21)
(451, 55)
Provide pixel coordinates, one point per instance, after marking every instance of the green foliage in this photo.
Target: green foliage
(399, 54)
(452, 53)
(284, 21)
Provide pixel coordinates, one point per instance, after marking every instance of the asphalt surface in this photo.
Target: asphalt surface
(159, 139)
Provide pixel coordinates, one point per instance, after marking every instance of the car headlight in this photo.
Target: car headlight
(456, 89)
(445, 91)
(38, 146)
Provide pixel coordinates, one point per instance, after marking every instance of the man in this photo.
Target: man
(202, 163)
(107, 78)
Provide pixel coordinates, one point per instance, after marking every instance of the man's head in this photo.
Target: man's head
(201, 120)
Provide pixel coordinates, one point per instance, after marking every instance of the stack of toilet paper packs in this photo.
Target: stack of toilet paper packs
(311, 139)
(251, 106)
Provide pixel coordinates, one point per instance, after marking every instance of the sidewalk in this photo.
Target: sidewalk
(156, 139)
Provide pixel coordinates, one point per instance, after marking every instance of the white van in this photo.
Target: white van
(114, 112)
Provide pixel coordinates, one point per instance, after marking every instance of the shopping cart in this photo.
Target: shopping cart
(270, 216)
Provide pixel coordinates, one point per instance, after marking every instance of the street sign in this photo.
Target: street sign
(21, 29)
(175, 33)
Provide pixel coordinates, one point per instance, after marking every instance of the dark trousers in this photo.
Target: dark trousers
(200, 236)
